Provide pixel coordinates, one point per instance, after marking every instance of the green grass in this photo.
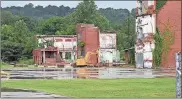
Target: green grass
(85, 88)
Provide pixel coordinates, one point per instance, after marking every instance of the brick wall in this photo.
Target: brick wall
(89, 35)
(172, 11)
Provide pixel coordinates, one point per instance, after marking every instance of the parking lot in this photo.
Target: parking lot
(100, 73)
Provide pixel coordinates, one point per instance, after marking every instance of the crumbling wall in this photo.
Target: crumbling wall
(172, 11)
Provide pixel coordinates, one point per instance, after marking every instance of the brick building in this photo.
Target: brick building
(66, 44)
(146, 22)
(171, 11)
(89, 34)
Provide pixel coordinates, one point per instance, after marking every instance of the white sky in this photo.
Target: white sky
(101, 4)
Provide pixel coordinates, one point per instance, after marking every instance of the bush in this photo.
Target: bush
(4, 63)
(81, 43)
(26, 61)
(157, 52)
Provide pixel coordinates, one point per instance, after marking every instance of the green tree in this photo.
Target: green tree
(115, 16)
(6, 32)
(17, 41)
(30, 22)
(20, 32)
(8, 18)
(58, 25)
(126, 37)
(10, 50)
(23, 36)
(86, 12)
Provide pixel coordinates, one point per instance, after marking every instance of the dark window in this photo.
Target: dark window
(68, 40)
(82, 53)
(67, 55)
(59, 40)
(50, 54)
(61, 54)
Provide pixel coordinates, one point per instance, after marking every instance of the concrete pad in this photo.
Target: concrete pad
(27, 94)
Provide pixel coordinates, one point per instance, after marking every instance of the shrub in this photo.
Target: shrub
(26, 61)
(81, 43)
(4, 63)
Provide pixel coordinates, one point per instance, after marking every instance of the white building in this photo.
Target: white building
(108, 50)
(145, 29)
(67, 45)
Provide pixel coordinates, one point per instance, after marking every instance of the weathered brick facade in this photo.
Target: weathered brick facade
(172, 11)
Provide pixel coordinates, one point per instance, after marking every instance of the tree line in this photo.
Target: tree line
(20, 24)
(115, 16)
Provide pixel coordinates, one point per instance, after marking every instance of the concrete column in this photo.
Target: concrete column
(63, 55)
(72, 56)
(44, 56)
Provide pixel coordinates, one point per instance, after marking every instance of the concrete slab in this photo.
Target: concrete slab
(27, 94)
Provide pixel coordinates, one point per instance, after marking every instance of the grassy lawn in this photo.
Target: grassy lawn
(85, 88)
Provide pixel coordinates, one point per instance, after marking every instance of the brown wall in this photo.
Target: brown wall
(90, 36)
(91, 39)
(172, 11)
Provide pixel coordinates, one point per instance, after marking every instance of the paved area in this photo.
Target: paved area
(13, 93)
(102, 73)
(134, 73)
(27, 94)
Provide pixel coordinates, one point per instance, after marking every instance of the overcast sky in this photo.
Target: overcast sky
(101, 4)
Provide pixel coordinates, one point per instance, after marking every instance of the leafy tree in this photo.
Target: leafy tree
(115, 16)
(30, 22)
(11, 51)
(58, 25)
(6, 32)
(126, 37)
(8, 18)
(28, 9)
(102, 22)
(50, 26)
(23, 36)
(86, 12)
(20, 32)
(17, 41)
(133, 12)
